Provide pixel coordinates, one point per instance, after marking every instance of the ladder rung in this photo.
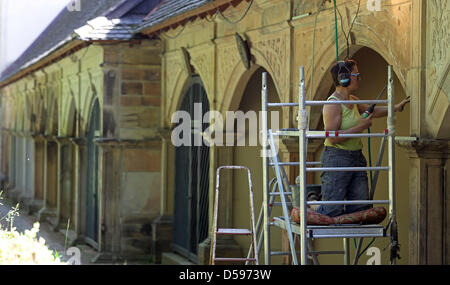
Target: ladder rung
(348, 202)
(278, 193)
(280, 204)
(295, 163)
(233, 232)
(333, 134)
(369, 102)
(234, 259)
(282, 252)
(282, 104)
(375, 168)
(287, 133)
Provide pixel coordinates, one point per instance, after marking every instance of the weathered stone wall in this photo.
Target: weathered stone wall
(46, 118)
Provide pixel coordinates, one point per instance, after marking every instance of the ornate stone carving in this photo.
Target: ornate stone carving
(172, 74)
(202, 58)
(426, 148)
(438, 65)
(275, 51)
(438, 38)
(439, 25)
(228, 58)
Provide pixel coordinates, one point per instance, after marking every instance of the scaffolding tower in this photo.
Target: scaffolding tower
(307, 232)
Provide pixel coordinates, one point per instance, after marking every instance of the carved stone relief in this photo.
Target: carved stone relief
(228, 59)
(439, 40)
(202, 58)
(275, 51)
(173, 72)
(438, 62)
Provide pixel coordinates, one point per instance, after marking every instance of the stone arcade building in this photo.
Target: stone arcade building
(87, 116)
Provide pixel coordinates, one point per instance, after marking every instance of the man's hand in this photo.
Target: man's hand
(399, 107)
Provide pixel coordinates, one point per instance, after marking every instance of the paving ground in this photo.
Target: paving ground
(54, 240)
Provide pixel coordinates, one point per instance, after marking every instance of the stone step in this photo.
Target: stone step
(136, 230)
(136, 245)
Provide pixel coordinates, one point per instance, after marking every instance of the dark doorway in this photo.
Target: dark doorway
(92, 177)
(191, 180)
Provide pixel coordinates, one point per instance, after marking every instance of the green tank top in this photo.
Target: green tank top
(350, 118)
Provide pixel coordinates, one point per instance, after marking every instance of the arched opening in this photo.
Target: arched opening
(52, 160)
(249, 155)
(373, 70)
(40, 120)
(19, 161)
(92, 166)
(191, 185)
(68, 172)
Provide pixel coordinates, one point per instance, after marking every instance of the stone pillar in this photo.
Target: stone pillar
(37, 201)
(429, 225)
(27, 196)
(4, 164)
(76, 231)
(162, 226)
(18, 165)
(48, 210)
(126, 198)
(64, 184)
(109, 199)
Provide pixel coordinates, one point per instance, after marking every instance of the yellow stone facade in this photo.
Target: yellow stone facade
(47, 115)
(409, 35)
(141, 83)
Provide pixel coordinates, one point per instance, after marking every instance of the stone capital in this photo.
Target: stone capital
(63, 140)
(165, 133)
(38, 137)
(112, 143)
(426, 148)
(79, 141)
(50, 138)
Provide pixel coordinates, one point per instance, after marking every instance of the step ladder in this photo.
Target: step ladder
(302, 230)
(231, 231)
(286, 196)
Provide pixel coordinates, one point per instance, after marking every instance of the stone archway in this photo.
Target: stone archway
(235, 194)
(191, 177)
(50, 158)
(92, 197)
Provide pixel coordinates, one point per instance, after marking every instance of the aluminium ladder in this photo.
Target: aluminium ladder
(304, 231)
(231, 231)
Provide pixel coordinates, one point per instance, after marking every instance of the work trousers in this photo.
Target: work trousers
(343, 185)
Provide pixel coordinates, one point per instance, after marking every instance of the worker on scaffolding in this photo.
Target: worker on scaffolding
(346, 152)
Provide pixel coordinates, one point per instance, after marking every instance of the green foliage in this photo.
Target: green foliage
(23, 248)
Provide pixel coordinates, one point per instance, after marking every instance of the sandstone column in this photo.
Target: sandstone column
(429, 204)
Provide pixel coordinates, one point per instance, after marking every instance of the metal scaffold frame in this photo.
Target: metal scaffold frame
(307, 232)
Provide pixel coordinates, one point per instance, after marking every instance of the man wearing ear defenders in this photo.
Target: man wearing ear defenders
(346, 152)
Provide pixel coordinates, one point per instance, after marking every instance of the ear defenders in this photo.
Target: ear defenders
(344, 76)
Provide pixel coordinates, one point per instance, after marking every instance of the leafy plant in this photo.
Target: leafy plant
(23, 248)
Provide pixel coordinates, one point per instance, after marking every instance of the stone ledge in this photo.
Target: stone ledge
(171, 258)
